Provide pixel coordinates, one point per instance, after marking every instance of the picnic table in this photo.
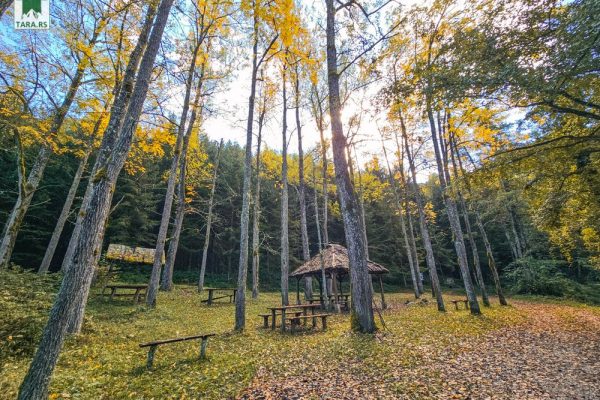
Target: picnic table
(343, 299)
(227, 292)
(139, 290)
(300, 307)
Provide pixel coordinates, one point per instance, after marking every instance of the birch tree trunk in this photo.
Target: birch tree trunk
(452, 212)
(302, 191)
(77, 280)
(256, 212)
(362, 297)
(430, 258)
(285, 245)
(15, 218)
(209, 219)
(153, 285)
(491, 260)
(64, 214)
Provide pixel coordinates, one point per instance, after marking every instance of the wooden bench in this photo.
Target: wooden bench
(266, 318)
(156, 343)
(295, 320)
(456, 302)
(211, 295)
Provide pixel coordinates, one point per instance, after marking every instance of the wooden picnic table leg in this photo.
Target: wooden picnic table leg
(136, 297)
(151, 356)
(112, 293)
(324, 322)
(304, 313)
(203, 348)
(456, 305)
(210, 297)
(274, 313)
(466, 304)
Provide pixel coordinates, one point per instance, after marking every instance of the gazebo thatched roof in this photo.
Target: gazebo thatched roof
(131, 254)
(335, 258)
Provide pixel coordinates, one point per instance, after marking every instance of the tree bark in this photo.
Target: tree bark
(430, 258)
(240, 299)
(452, 212)
(78, 278)
(256, 211)
(491, 260)
(64, 214)
(209, 218)
(302, 190)
(285, 245)
(362, 296)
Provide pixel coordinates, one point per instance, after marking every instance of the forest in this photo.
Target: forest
(423, 178)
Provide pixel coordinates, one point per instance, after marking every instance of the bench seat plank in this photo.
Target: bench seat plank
(174, 340)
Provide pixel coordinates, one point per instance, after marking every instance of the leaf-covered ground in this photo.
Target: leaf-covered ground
(528, 350)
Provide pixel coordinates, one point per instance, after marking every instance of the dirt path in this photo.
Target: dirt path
(554, 355)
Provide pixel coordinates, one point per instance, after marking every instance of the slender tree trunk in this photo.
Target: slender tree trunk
(413, 242)
(360, 281)
(64, 214)
(408, 248)
(491, 260)
(325, 189)
(325, 292)
(240, 299)
(153, 285)
(15, 219)
(256, 212)
(302, 190)
(77, 280)
(430, 258)
(285, 245)
(209, 218)
(452, 212)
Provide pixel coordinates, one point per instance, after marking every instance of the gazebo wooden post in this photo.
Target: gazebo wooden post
(383, 305)
(335, 291)
(321, 293)
(297, 290)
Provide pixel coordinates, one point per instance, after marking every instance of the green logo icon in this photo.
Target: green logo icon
(32, 5)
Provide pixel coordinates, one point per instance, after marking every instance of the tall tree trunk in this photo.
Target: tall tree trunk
(325, 292)
(15, 219)
(123, 91)
(240, 299)
(256, 212)
(407, 246)
(285, 245)
(325, 189)
(360, 281)
(430, 258)
(153, 285)
(64, 214)
(77, 280)
(474, 251)
(413, 242)
(302, 190)
(209, 218)
(452, 212)
(491, 260)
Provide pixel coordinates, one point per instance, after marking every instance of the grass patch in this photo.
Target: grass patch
(105, 362)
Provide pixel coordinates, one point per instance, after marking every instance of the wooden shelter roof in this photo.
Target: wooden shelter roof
(335, 257)
(131, 254)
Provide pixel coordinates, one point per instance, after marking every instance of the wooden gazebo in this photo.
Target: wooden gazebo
(335, 260)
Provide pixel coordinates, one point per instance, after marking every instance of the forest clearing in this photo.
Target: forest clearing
(535, 348)
(298, 199)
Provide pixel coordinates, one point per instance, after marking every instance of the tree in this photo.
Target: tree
(77, 279)
(209, 217)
